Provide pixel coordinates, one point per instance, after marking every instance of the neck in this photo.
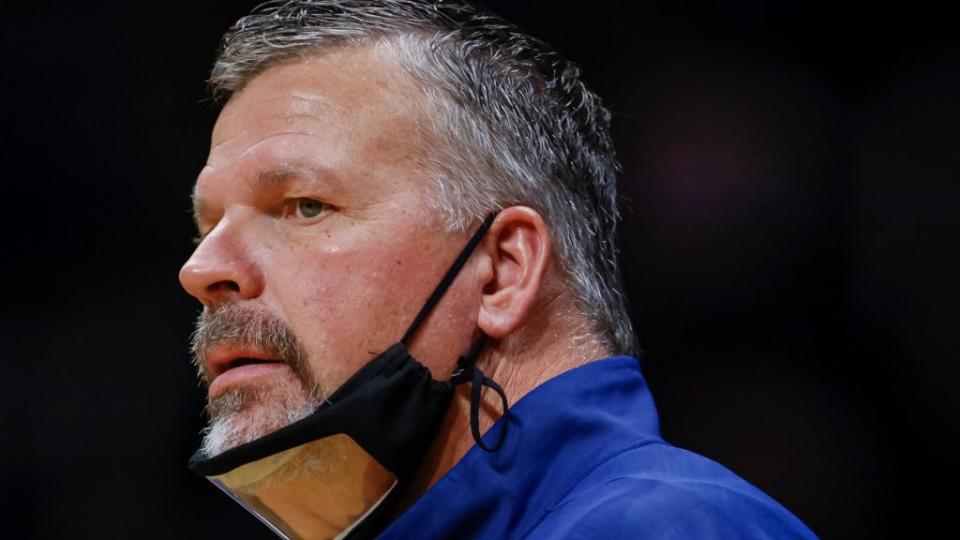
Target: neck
(518, 371)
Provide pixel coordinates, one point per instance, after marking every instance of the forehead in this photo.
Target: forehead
(339, 110)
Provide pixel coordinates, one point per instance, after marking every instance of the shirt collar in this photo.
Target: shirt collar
(557, 433)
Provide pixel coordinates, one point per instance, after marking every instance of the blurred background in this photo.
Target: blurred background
(791, 177)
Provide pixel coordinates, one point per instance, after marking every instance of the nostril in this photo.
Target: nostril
(224, 286)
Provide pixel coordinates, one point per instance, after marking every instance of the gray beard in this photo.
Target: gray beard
(241, 415)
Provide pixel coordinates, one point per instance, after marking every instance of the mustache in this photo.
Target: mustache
(249, 327)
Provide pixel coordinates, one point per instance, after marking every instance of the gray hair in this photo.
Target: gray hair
(514, 121)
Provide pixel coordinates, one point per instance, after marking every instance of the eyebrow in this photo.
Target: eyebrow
(279, 176)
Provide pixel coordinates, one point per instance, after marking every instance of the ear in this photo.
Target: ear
(519, 246)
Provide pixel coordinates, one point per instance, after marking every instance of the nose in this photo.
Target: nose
(221, 268)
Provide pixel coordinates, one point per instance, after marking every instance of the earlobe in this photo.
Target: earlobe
(520, 249)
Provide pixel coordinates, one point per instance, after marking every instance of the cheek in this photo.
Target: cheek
(347, 306)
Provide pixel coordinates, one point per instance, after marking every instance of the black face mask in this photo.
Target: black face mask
(340, 471)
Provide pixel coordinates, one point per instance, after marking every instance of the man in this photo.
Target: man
(422, 169)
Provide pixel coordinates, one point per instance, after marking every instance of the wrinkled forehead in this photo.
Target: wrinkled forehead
(350, 112)
(360, 86)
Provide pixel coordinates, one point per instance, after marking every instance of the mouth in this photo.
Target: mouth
(227, 365)
(240, 362)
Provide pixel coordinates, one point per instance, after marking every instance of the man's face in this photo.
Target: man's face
(317, 235)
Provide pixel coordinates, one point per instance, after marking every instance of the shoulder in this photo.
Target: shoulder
(659, 491)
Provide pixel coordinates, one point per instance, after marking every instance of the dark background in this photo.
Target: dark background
(791, 177)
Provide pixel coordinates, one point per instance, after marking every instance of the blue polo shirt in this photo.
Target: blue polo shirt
(583, 458)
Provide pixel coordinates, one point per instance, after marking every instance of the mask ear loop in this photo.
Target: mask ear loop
(469, 372)
(448, 278)
(466, 365)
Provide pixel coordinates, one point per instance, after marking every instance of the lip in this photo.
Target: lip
(246, 374)
(227, 365)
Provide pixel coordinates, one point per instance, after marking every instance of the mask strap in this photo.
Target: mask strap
(467, 371)
(466, 365)
(448, 277)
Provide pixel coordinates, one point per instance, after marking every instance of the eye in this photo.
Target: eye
(310, 208)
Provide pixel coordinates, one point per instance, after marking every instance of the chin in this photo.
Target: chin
(244, 414)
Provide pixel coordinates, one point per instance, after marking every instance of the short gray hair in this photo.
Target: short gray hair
(515, 122)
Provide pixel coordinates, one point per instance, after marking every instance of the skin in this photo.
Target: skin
(340, 127)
